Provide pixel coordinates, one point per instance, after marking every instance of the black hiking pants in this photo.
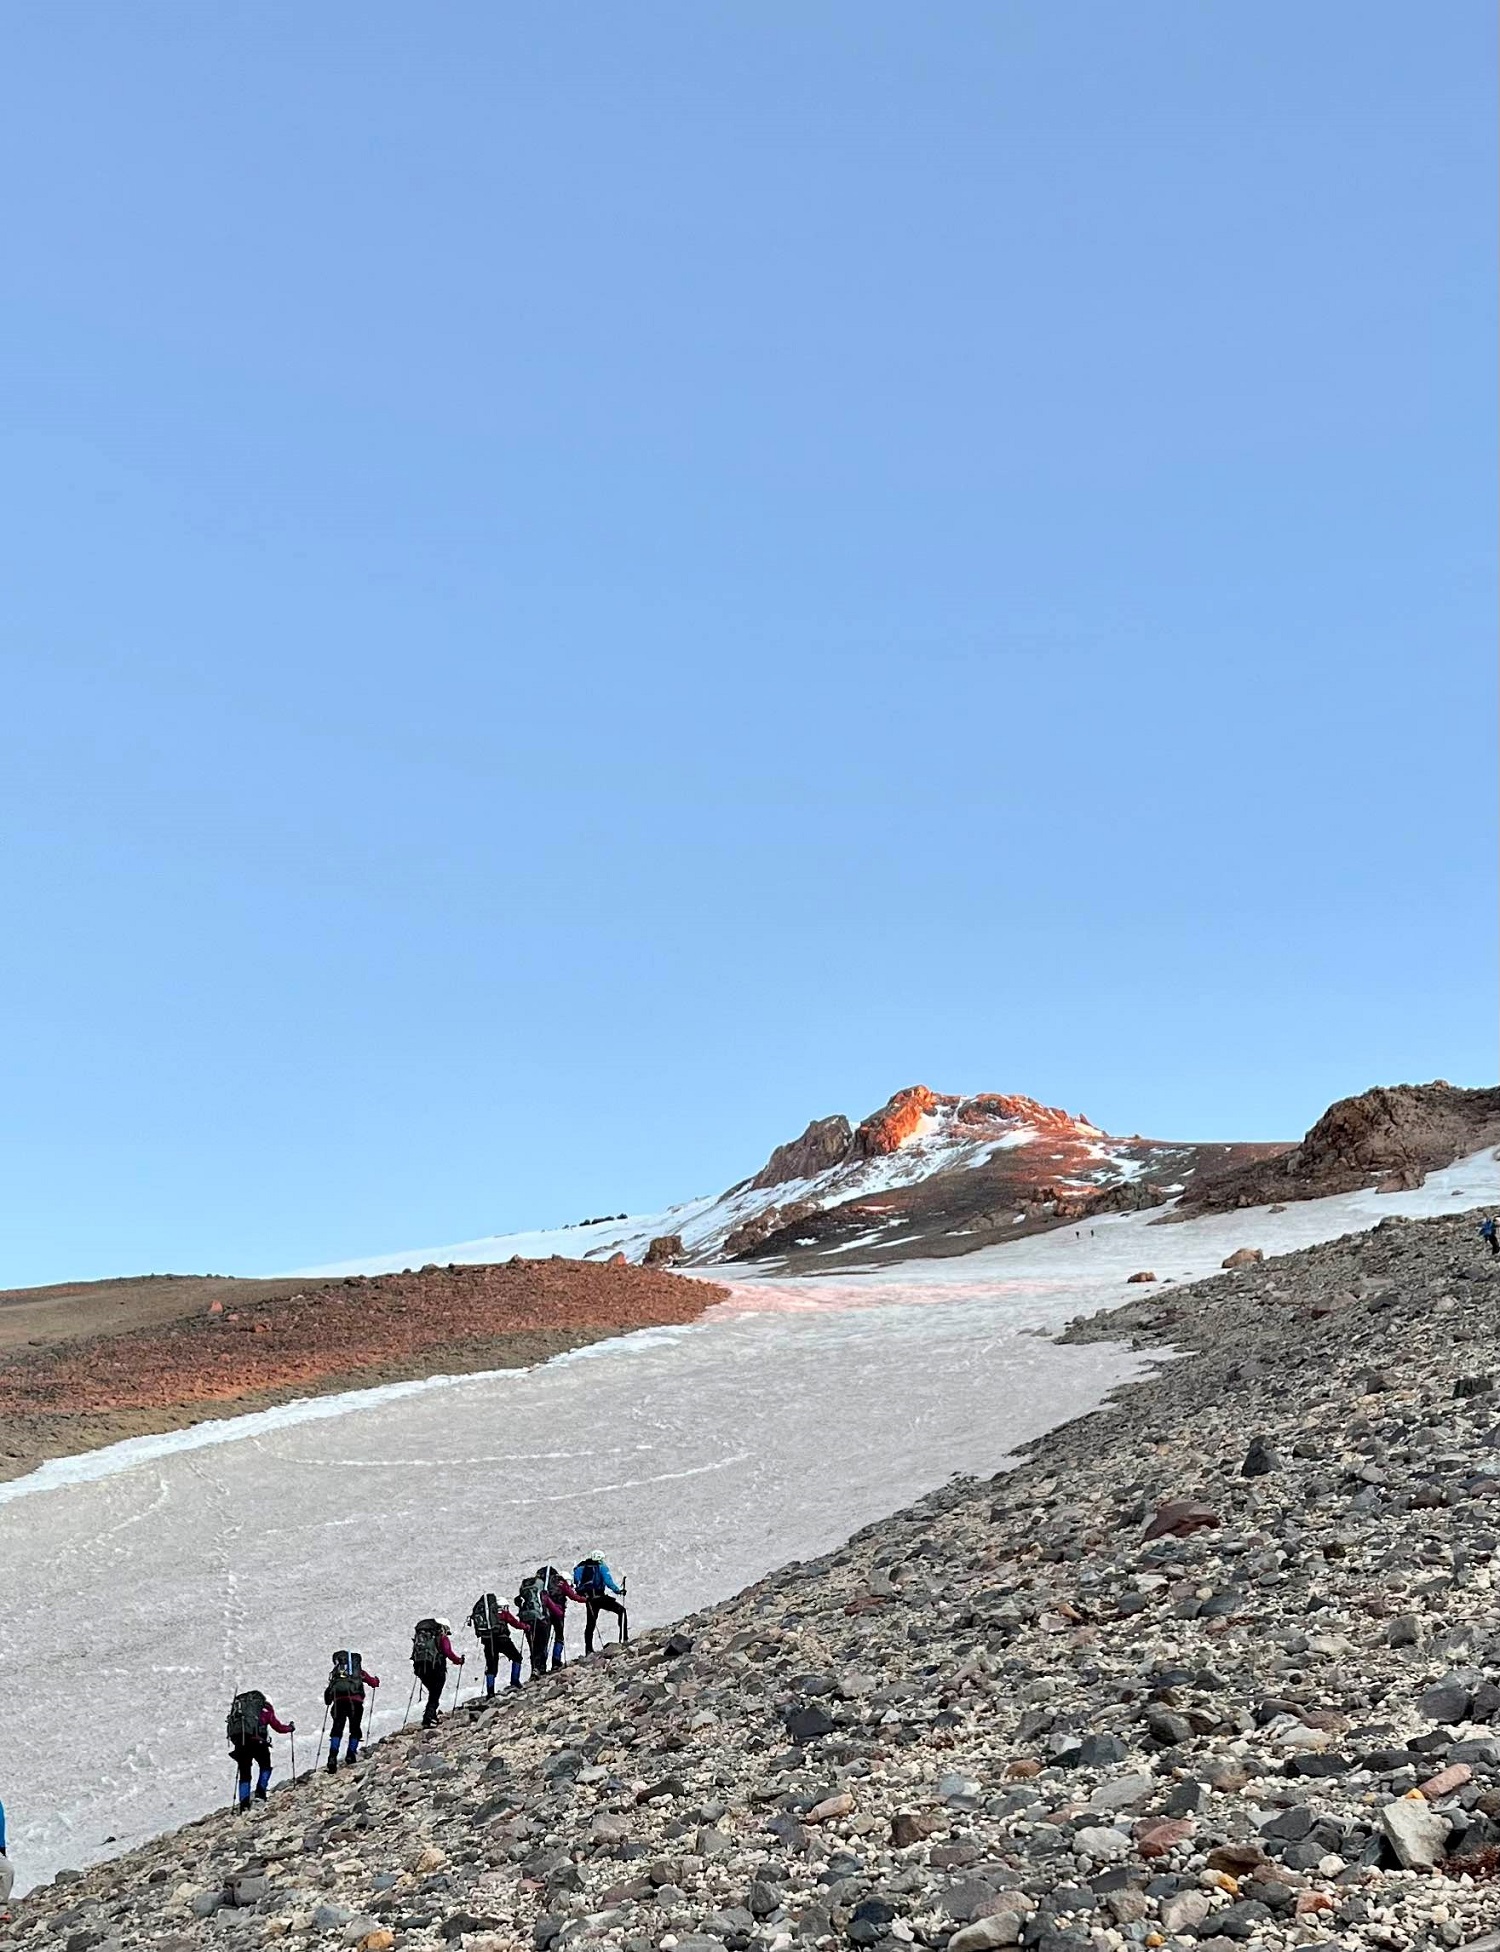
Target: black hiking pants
(539, 1642)
(257, 1753)
(1494, 1243)
(434, 1679)
(347, 1714)
(596, 1604)
(496, 1645)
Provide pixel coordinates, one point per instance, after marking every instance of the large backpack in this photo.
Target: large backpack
(529, 1603)
(427, 1647)
(347, 1681)
(589, 1578)
(242, 1724)
(555, 1582)
(484, 1617)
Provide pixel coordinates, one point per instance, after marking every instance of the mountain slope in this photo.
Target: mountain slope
(1218, 1666)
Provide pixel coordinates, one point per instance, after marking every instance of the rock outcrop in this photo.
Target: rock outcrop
(760, 1227)
(899, 1119)
(1391, 1137)
(825, 1143)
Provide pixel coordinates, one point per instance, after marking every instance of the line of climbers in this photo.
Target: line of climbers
(538, 1614)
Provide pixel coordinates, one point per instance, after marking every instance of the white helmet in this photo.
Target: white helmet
(445, 1626)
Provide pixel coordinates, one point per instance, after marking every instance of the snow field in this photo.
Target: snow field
(136, 1603)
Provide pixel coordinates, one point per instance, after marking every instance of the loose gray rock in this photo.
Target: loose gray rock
(1104, 1844)
(1444, 1703)
(1000, 1928)
(1417, 1834)
(1185, 1912)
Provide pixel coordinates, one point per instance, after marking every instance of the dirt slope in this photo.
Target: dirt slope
(73, 1310)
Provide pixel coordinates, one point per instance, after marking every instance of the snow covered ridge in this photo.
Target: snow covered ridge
(1049, 1162)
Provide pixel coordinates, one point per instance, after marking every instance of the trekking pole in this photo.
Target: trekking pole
(409, 1700)
(294, 1754)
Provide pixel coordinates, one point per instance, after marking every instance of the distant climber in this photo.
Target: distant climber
(536, 1621)
(345, 1695)
(557, 1590)
(1490, 1234)
(431, 1653)
(490, 1621)
(248, 1724)
(596, 1583)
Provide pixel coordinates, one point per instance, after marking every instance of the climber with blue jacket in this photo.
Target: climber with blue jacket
(595, 1583)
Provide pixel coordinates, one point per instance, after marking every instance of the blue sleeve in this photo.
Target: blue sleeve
(2, 1829)
(609, 1579)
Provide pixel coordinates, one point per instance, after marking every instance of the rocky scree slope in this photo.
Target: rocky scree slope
(1214, 1666)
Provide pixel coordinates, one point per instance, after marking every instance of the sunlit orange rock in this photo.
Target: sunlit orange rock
(896, 1121)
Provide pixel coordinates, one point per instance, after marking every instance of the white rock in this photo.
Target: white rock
(1105, 1845)
(1298, 1736)
(1417, 1834)
(1332, 1646)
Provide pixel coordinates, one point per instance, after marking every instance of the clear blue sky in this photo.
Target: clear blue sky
(582, 585)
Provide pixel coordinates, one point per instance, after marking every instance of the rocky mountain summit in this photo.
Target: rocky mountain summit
(934, 1173)
(1217, 1665)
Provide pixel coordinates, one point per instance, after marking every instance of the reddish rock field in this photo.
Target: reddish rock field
(232, 1346)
